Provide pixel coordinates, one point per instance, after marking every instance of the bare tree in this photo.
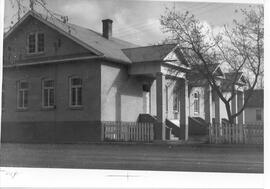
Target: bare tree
(22, 7)
(240, 48)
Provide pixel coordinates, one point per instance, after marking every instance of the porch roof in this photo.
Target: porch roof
(154, 53)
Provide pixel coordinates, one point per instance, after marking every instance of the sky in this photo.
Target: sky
(134, 21)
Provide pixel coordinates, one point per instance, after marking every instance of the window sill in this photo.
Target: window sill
(76, 107)
(22, 109)
(35, 54)
(48, 108)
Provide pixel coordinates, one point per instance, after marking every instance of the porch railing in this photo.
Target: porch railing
(236, 133)
(127, 131)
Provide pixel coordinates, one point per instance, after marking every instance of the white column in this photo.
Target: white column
(184, 109)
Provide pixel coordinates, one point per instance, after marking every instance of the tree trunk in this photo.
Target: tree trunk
(229, 114)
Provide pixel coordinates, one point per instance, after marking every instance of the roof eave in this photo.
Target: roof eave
(35, 15)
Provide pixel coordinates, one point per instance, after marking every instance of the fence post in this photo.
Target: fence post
(209, 133)
(215, 126)
(236, 133)
(227, 133)
(241, 133)
(152, 132)
(102, 132)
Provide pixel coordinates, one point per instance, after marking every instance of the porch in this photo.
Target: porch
(164, 99)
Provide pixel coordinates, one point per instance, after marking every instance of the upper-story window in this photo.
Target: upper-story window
(36, 42)
(75, 92)
(22, 94)
(196, 102)
(48, 91)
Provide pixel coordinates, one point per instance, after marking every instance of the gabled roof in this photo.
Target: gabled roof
(149, 53)
(256, 100)
(212, 68)
(95, 42)
(235, 77)
(196, 77)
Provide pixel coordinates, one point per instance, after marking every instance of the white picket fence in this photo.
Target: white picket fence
(236, 133)
(127, 131)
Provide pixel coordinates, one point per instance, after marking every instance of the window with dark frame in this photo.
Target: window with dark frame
(40, 41)
(36, 43)
(32, 43)
(196, 103)
(22, 95)
(48, 91)
(75, 92)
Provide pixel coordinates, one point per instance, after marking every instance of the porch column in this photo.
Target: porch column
(234, 107)
(208, 104)
(160, 131)
(184, 109)
(217, 108)
(240, 103)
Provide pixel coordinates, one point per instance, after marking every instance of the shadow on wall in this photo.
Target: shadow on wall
(128, 96)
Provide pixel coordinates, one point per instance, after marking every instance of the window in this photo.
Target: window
(75, 92)
(258, 115)
(36, 42)
(32, 43)
(196, 103)
(40, 41)
(48, 93)
(22, 95)
(175, 102)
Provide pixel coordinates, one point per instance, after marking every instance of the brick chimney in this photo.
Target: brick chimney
(107, 28)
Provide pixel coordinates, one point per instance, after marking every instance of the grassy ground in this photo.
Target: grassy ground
(135, 157)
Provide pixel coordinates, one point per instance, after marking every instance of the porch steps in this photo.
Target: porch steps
(197, 126)
(175, 127)
(174, 138)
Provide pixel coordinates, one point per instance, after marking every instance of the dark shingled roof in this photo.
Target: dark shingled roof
(211, 67)
(196, 78)
(233, 76)
(149, 53)
(110, 48)
(256, 100)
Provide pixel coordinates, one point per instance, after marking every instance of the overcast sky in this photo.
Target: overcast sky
(134, 21)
